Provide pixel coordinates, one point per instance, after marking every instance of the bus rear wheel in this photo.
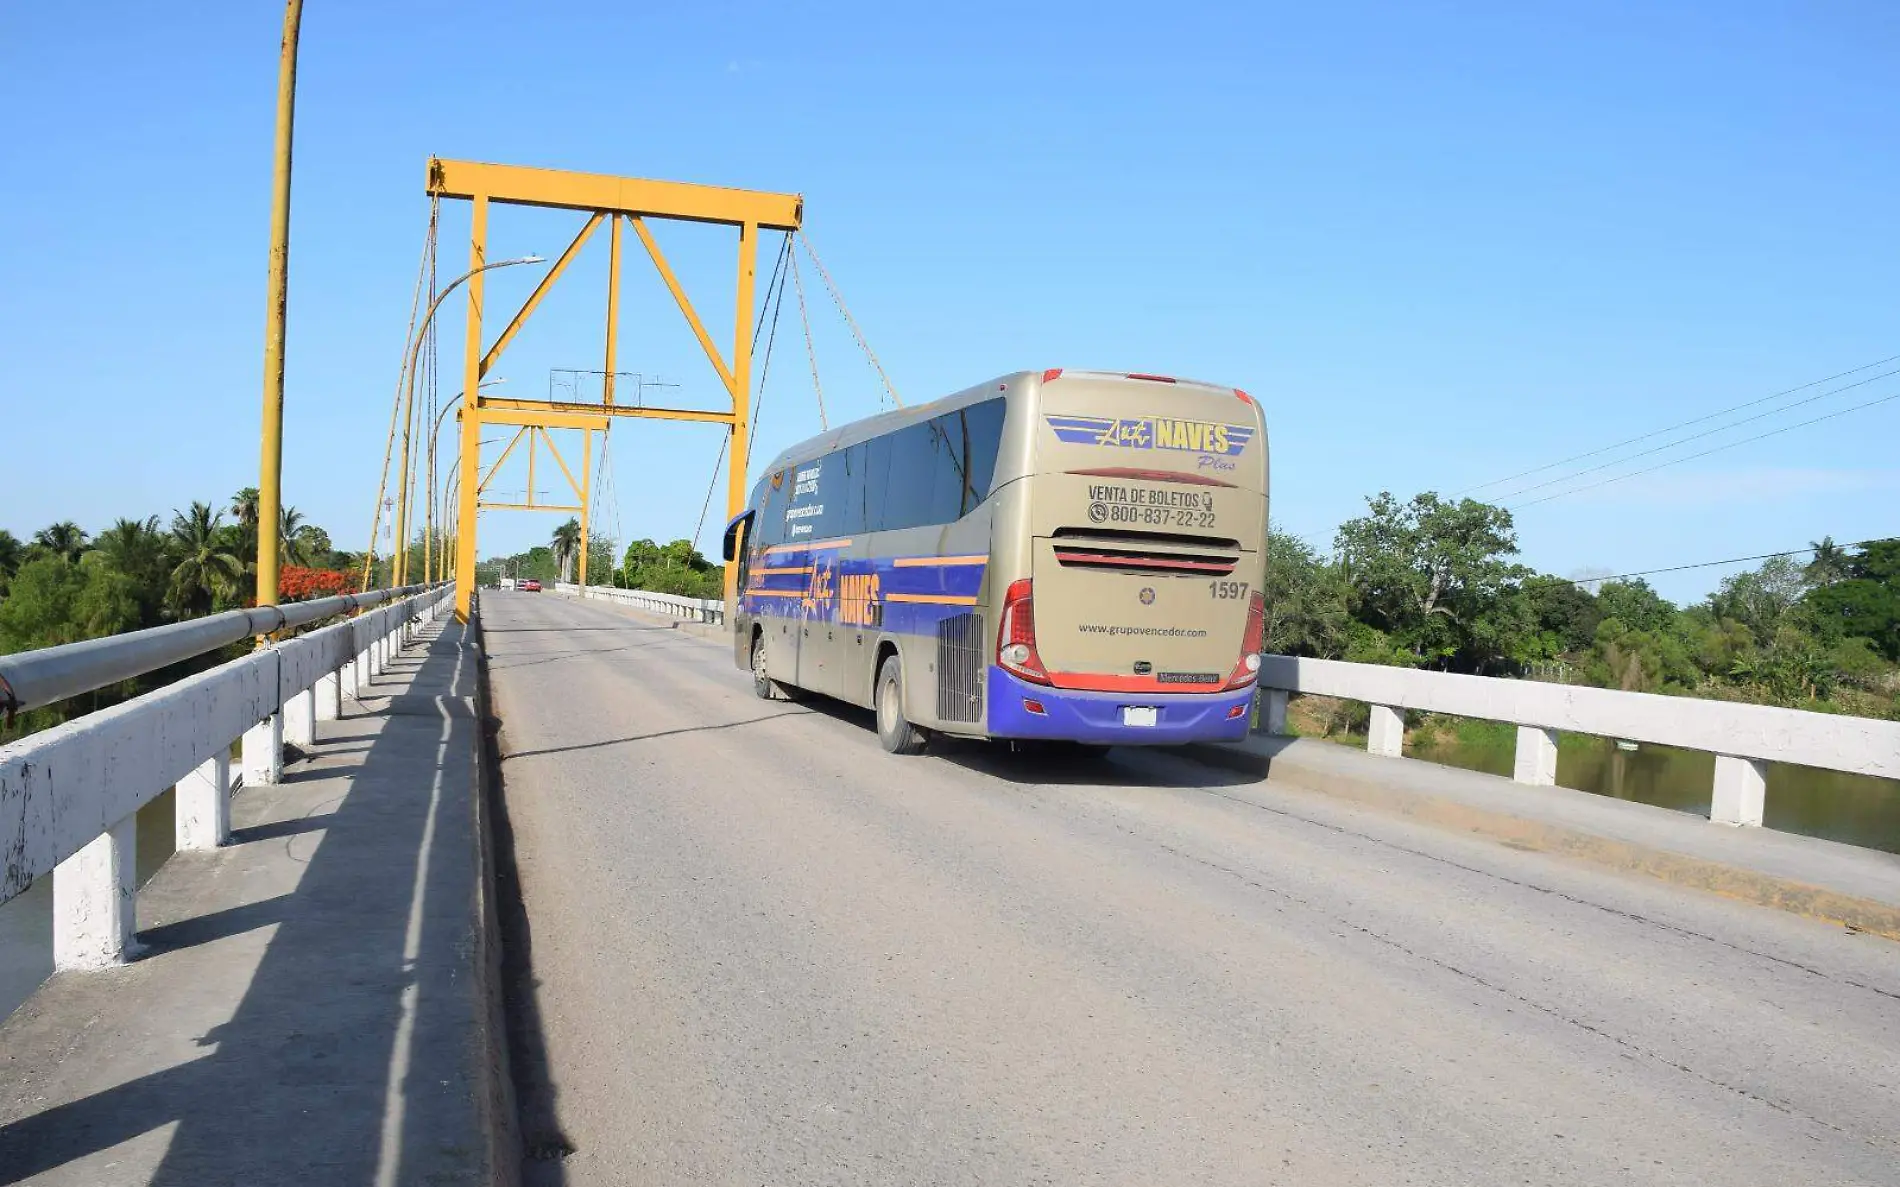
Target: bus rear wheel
(896, 734)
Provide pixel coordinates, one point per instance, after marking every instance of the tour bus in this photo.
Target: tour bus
(1067, 556)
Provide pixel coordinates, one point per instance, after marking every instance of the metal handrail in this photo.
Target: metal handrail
(33, 679)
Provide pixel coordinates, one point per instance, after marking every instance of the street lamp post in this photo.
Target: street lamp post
(400, 555)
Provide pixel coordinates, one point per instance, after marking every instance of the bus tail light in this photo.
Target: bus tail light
(1016, 635)
(1248, 668)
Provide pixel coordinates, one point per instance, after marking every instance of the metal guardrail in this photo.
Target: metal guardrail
(70, 794)
(34, 679)
(1744, 738)
(691, 609)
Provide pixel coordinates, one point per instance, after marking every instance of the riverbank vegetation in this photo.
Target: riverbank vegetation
(65, 584)
(1434, 583)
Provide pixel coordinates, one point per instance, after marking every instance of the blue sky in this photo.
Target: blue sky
(1441, 242)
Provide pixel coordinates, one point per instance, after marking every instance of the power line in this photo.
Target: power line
(1734, 560)
(1705, 453)
(1655, 449)
(1679, 425)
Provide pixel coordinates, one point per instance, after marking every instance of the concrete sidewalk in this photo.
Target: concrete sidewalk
(1808, 876)
(311, 1003)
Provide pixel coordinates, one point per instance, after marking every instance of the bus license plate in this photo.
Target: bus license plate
(1139, 714)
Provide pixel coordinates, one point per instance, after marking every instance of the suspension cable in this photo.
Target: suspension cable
(395, 408)
(838, 300)
(811, 352)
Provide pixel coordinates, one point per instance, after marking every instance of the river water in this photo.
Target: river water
(1857, 809)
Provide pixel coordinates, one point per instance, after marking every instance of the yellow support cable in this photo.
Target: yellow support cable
(838, 300)
(395, 408)
(798, 282)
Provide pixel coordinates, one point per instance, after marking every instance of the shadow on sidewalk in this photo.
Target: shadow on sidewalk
(349, 1058)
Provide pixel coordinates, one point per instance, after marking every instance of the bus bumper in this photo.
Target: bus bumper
(1097, 717)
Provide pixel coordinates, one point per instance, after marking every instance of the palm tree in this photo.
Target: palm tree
(12, 552)
(567, 542)
(205, 573)
(244, 507)
(61, 539)
(243, 529)
(137, 549)
(1830, 563)
(293, 538)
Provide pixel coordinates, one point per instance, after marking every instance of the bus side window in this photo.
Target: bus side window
(984, 423)
(769, 527)
(912, 477)
(952, 474)
(875, 492)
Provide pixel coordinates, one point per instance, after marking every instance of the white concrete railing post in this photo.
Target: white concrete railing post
(1741, 791)
(1272, 711)
(300, 718)
(263, 751)
(1536, 762)
(93, 915)
(1744, 739)
(204, 805)
(1385, 736)
(330, 695)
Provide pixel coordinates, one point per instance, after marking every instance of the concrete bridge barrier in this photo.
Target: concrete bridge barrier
(1744, 738)
(70, 795)
(708, 610)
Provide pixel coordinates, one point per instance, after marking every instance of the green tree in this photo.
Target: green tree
(143, 553)
(1565, 613)
(12, 553)
(240, 536)
(64, 539)
(567, 544)
(676, 568)
(1307, 600)
(1634, 604)
(53, 601)
(1761, 598)
(1866, 604)
(293, 545)
(206, 573)
(1640, 661)
(601, 569)
(316, 548)
(1829, 564)
(244, 507)
(1434, 577)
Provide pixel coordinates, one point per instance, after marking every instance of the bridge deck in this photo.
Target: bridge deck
(763, 951)
(309, 1005)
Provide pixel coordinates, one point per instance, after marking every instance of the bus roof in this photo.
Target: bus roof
(847, 435)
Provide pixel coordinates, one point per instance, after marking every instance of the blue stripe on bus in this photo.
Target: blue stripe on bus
(907, 595)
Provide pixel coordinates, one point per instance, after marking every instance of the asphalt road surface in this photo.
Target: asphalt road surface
(765, 952)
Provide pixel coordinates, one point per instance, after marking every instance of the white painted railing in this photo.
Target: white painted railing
(1743, 738)
(70, 795)
(691, 609)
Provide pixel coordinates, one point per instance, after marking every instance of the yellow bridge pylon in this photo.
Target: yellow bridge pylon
(613, 199)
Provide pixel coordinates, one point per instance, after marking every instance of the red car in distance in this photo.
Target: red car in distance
(528, 585)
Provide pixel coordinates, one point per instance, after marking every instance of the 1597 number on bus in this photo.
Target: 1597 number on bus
(1227, 590)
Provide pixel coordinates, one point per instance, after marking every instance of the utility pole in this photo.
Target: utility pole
(270, 493)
